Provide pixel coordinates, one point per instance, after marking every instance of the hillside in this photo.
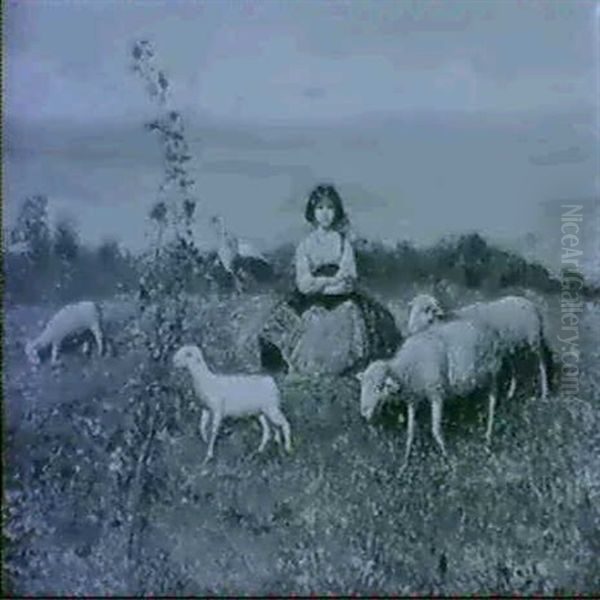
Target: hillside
(108, 495)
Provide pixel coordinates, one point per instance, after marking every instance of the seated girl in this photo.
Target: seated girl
(326, 326)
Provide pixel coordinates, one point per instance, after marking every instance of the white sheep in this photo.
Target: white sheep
(447, 360)
(516, 321)
(423, 311)
(70, 320)
(233, 396)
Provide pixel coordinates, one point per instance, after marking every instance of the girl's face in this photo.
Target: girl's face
(324, 213)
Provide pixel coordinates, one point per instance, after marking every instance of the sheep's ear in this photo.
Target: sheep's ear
(360, 376)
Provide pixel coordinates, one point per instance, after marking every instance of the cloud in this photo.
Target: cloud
(314, 93)
(300, 61)
(571, 155)
(46, 89)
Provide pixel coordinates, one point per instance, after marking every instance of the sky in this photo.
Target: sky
(429, 116)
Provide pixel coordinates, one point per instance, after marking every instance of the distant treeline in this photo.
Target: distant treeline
(54, 276)
(466, 260)
(57, 267)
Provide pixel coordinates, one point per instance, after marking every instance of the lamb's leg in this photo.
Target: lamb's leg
(410, 432)
(543, 376)
(216, 423)
(491, 407)
(278, 439)
(204, 419)
(98, 337)
(436, 423)
(278, 419)
(266, 432)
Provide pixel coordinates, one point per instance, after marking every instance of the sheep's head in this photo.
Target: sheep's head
(187, 355)
(376, 383)
(423, 311)
(32, 354)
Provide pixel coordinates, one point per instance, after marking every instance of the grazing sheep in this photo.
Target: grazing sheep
(233, 396)
(68, 321)
(517, 322)
(447, 360)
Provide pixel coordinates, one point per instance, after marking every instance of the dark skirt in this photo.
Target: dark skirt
(279, 335)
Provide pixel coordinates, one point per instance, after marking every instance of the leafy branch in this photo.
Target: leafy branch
(166, 273)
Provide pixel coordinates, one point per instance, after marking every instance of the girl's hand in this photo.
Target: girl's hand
(332, 285)
(320, 283)
(340, 285)
(346, 280)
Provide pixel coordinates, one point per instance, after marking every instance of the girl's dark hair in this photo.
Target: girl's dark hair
(326, 191)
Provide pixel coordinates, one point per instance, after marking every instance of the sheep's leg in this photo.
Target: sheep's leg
(216, 423)
(54, 353)
(98, 337)
(410, 432)
(237, 283)
(34, 358)
(513, 384)
(491, 407)
(543, 376)
(436, 423)
(204, 419)
(278, 419)
(278, 439)
(266, 432)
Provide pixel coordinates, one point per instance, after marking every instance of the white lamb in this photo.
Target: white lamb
(423, 311)
(516, 320)
(70, 320)
(233, 396)
(447, 360)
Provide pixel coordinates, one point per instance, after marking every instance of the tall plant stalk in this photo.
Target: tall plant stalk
(163, 282)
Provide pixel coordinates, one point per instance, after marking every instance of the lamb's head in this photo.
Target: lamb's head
(423, 311)
(31, 351)
(187, 356)
(376, 383)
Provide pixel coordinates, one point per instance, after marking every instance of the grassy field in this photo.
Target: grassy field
(95, 504)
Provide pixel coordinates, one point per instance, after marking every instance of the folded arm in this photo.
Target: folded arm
(344, 280)
(341, 283)
(306, 282)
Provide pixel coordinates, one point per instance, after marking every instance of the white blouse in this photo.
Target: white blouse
(321, 248)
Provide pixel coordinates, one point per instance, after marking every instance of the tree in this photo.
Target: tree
(32, 229)
(29, 259)
(66, 241)
(109, 254)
